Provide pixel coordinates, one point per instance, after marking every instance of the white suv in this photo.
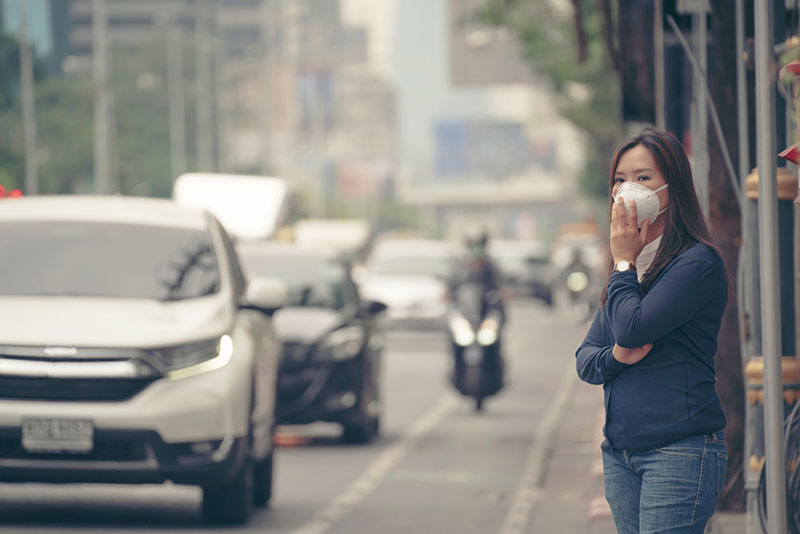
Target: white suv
(132, 350)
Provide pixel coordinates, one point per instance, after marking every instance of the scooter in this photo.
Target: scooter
(474, 324)
(582, 293)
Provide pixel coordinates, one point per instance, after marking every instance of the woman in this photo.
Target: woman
(652, 345)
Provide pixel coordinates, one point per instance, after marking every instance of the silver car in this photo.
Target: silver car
(133, 351)
(410, 277)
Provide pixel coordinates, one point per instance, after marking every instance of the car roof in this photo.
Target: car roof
(285, 249)
(102, 209)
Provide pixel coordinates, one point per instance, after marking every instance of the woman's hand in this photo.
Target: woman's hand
(630, 356)
(627, 241)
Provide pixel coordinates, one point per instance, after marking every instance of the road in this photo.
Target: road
(438, 466)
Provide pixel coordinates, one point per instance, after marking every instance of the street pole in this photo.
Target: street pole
(770, 274)
(176, 102)
(658, 39)
(268, 43)
(700, 139)
(28, 105)
(102, 122)
(204, 101)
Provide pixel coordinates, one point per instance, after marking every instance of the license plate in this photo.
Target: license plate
(57, 435)
(473, 354)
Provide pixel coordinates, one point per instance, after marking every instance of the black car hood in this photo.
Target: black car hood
(305, 325)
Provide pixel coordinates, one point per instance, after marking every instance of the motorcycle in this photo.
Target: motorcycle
(582, 293)
(474, 323)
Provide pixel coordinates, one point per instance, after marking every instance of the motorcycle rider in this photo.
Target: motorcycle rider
(476, 267)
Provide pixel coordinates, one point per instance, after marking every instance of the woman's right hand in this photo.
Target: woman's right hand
(630, 356)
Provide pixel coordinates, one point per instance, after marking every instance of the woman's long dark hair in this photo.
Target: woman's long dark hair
(686, 224)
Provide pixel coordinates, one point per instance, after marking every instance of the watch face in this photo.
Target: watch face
(624, 265)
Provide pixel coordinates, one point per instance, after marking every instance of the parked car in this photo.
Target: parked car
(132, 350)
(410, 276)
(332, 345)
(523, 266)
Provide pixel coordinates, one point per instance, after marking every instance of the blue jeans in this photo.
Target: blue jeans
(666, 490)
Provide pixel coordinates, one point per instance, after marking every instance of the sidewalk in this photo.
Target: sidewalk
(573, 500)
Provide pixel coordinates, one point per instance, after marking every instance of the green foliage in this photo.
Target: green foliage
(9, 71)
(64, 130)
(65, 127)
(587, 93)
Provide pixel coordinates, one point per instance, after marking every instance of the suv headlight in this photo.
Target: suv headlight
(196, 358)
(342, 344)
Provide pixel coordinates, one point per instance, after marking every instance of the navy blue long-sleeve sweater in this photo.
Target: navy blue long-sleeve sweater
(669, 394)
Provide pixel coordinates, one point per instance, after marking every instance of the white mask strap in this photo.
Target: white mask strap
(660, 188)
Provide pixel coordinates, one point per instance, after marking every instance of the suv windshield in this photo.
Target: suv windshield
(58, 258)
(313, 282)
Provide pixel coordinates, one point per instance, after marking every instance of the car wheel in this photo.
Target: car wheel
(232, 503)
(262, 481)
(362, 431)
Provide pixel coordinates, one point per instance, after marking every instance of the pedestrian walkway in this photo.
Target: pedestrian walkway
(573, 500)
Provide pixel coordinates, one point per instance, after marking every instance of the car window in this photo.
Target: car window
(313, 282)
(106, 260)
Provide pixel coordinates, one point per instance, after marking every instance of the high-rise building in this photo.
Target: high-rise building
(46, 28)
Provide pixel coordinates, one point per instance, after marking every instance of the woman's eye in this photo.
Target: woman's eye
(642, 178)
(618, 180)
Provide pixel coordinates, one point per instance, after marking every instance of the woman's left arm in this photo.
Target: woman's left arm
(685, 287)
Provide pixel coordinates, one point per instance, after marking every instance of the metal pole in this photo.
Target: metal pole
(745, 289)
(204, 101)
(268, 42)
(700, 147)
(658, 38)
(102, 125)
(770, 274)
(745, 292)
(28, 105)
(741, 93)
(176, 101)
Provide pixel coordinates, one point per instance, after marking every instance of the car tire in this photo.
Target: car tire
(362, 431)
(231, 504)
(262, 481)
(365, 427)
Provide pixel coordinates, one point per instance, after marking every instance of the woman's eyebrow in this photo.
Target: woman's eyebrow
(644, 169)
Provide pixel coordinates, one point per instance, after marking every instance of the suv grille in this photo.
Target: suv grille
(71, 389)
(105, 449)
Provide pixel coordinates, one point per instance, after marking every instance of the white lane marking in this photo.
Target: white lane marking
(360, 488)
(529, 490)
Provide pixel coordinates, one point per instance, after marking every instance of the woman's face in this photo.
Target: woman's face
(638, 165)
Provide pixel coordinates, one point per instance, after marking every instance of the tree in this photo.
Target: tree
(726, 223)
(568, 49)
(65, 127)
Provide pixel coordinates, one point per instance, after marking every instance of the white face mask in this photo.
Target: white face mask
(647, 204)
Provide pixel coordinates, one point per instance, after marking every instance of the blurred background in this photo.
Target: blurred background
(406, 114)
(382, 131)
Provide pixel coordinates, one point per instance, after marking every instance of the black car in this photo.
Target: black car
(332, 346)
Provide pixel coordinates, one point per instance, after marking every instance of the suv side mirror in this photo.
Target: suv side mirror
(374, 307)
(267, 294)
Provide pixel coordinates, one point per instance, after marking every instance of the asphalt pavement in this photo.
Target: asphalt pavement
(528, 464)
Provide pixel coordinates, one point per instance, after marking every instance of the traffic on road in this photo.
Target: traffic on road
(165, 372)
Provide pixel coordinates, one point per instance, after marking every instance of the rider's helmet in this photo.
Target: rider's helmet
(476, 240)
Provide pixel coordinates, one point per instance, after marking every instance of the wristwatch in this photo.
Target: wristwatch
(624, 265)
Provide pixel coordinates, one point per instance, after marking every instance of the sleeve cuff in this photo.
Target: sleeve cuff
(611, 364)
